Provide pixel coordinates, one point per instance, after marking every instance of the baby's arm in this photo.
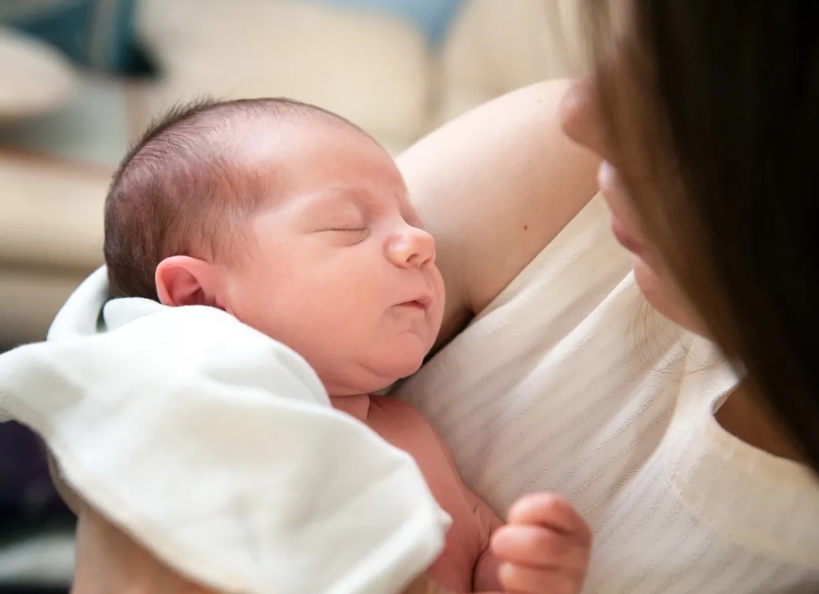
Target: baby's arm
(485, 575)
(542, 549)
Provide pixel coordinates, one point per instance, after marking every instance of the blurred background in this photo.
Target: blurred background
(81, 79)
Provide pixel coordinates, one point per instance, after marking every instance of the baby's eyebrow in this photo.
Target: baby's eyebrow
(360, 197)
(367, 201)
(331, 201)
(332, 194)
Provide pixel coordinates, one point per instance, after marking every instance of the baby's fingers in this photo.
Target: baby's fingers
(550, 511)
(527, 580)
(545, 547)
(542, 548)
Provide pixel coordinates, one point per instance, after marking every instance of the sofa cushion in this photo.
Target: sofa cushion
(370, 68)
(496, 47)
(51, 212)
(94, 126)
(35, 78)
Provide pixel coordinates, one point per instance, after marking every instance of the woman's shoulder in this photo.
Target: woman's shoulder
(494, 187)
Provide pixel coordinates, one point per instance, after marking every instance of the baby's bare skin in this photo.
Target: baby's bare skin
(543, 549)
(466, 564)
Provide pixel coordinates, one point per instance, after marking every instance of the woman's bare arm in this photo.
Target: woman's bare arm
(109, 560)
(494, 187)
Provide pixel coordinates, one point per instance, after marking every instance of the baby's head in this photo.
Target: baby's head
(289, 218)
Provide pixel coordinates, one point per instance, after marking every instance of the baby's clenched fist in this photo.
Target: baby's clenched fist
(543, 548)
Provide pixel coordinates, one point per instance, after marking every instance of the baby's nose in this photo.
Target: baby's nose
(414, 247)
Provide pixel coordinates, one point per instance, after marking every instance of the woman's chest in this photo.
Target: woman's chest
(664, 532)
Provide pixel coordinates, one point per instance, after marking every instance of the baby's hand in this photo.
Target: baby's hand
(543, 548)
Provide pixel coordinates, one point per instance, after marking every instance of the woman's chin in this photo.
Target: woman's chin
(661, 292)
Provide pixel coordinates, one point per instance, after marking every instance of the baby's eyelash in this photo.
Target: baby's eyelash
(348, 229)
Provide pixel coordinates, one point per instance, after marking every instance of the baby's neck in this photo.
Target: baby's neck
(355, 406)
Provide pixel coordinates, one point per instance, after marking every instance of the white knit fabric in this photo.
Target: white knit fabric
(570, 382)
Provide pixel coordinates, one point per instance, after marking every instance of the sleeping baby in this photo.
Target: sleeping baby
(297, 223)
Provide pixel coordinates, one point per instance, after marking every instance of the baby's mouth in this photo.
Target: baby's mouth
(416, 304)
(421, 303)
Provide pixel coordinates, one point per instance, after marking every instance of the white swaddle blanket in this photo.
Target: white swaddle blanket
(217, 448)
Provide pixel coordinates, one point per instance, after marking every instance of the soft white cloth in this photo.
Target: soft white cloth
(217, 448)
(570, 382)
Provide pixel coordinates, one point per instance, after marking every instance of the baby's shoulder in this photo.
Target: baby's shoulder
(399, 422)
(406, 428)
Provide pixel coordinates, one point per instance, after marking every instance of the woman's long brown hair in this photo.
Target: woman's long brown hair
(718, 104)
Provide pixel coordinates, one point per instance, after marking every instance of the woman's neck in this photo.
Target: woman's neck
(745, 418)
(356, 406)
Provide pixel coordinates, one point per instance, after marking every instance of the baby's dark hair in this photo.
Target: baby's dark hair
(178, 190)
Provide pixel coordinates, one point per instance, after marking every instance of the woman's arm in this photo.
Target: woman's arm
(494, 187)
(108, 560)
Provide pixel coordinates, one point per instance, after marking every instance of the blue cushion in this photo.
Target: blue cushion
(97, 34)
(431, 16)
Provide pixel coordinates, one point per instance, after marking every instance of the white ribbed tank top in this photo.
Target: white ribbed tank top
(570, 382)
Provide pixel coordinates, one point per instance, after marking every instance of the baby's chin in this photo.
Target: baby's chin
(376, 375)
(390, 374)
(406, 358)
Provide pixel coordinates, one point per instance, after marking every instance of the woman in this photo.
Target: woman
(704, 115)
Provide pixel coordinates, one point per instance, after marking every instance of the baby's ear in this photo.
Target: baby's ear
(183, 280)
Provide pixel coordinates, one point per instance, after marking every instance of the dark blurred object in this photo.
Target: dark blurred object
(97, 34)
(31, 590)
(27, 495)
(36, 528)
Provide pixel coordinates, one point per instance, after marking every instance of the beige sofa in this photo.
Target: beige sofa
(62, 131)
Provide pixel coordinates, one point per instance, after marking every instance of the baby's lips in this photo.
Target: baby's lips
(423, 301)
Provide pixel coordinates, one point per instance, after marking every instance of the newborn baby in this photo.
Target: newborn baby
(297, 223)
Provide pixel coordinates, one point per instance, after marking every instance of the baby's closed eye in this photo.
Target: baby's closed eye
(348, 233)
(346, 229)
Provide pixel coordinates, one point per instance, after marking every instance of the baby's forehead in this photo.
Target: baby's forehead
(270, 143)
(285, 125)
(320, 154)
